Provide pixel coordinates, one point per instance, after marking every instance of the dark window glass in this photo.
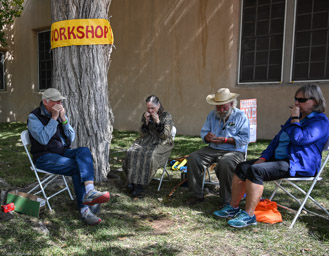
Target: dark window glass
(262, 40)
(2, 71)
(311, 40)
(45, 60)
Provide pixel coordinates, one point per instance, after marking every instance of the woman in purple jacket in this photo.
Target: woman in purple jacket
(294, 151)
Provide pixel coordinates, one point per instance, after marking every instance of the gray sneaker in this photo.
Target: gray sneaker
(96, 197)
(89, 218)
(95, 209)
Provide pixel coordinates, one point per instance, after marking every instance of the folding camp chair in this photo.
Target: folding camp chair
(42, 184)
(314, 180)
(207, 173)
(209, 181)
(164, 168)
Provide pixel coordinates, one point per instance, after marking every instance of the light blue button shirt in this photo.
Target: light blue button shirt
(236, 127)
(43, 133)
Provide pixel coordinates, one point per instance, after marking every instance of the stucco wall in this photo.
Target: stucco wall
(22, 95)
(179, 50)
(182, 51)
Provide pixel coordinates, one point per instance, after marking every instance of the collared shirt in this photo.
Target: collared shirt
(42, 133)
(236, 127)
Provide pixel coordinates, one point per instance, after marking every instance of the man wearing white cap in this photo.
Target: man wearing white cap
(51, 136)
(226, 131)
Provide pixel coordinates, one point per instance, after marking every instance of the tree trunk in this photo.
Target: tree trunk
(80, 73)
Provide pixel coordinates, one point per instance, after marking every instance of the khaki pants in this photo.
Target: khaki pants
(226, 161)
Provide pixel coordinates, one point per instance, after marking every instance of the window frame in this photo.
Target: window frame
(39, 68)
(288, 51)
(240, 48)
(293, 53)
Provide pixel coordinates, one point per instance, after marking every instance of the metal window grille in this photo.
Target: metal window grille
(261, 41)
(311, 54)
(45, 60)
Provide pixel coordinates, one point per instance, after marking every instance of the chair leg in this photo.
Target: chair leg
(277, 184)
(164, 171)
(67, 187)
(161, 179)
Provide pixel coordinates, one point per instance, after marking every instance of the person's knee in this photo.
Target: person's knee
(226, 165)
(84, 150)
(255, 175)
(192, 156)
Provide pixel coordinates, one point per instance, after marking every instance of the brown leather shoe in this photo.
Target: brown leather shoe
(194, 200)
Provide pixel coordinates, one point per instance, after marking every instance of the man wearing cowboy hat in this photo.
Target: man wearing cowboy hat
(51, 136)
(226, 131)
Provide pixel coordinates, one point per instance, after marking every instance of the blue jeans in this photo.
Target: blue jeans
(77, 163)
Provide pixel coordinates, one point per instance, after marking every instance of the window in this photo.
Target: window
(284, 41)
(2, 71)
(261, 40)
(311, 53)
(45, 60)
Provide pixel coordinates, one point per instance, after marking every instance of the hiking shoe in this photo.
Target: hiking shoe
(242, 219)
(89, 218)
(96, 197)
(226, 212)
(95, 209)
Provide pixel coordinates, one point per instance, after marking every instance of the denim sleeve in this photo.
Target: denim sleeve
(41, 133)
(69, 131)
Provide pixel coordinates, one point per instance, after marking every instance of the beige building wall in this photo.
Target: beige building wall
(21, 64)
(182, 51)
(179, 50)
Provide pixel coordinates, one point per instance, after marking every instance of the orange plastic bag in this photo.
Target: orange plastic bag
(267, 211)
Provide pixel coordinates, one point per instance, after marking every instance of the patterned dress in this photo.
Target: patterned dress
(150, 151)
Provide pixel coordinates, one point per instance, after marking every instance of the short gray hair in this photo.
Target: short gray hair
(314, 92)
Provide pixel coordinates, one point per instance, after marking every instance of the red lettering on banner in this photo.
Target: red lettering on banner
(62, 33)
(71, 33)
(55, 35)
(101, 30)
(80, 32)
(106, 30)
(91, 30)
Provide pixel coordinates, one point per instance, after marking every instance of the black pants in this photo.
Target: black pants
(267, 171)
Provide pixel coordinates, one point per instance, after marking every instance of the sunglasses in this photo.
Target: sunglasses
(302, 100)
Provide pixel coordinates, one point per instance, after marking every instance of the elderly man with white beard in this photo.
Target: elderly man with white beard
(226, 131)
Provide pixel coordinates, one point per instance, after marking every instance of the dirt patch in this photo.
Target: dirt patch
(160, 224)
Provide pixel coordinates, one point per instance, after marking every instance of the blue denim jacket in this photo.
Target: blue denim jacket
(307, 140)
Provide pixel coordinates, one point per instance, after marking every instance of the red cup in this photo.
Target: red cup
(8, 207)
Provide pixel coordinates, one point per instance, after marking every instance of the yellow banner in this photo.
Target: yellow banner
(81, 32)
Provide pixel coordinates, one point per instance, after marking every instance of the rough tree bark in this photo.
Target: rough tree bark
(80, 73)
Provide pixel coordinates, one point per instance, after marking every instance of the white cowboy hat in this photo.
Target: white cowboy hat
(222, 96)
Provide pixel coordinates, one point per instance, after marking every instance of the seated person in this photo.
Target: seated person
(152, 149)
(294, 151)
(51, 136)
(226, 131)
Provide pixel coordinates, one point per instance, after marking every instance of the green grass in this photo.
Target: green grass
(155, 225)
